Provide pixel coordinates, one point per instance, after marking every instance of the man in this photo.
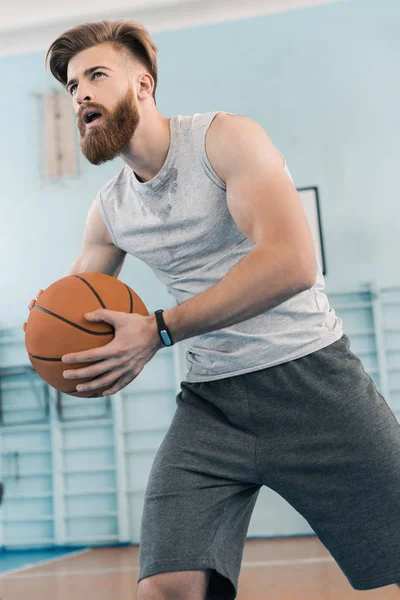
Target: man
(273, 395)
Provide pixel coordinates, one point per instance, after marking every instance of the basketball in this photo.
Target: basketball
(57, 326)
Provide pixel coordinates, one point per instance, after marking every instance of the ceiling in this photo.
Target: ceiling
(27, 26)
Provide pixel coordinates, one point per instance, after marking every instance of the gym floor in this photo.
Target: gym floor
(279, 569)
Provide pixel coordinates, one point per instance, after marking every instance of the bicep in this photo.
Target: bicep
(260, 195)
(98, 253)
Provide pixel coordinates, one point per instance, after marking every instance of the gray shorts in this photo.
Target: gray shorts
(316, 431)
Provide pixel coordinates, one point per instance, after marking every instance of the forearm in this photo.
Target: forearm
(254, 285)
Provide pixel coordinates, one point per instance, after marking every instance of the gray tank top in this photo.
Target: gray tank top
(179, 224)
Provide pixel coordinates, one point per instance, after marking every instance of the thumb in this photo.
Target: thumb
(102, 314)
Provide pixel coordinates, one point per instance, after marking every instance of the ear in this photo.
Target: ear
(145, 86)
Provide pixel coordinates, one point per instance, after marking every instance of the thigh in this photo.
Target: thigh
(332, 450)
(200, 495)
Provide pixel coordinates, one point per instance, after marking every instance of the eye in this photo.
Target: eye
(73, 87)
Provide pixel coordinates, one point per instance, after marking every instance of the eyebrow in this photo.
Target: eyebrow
(87, 73)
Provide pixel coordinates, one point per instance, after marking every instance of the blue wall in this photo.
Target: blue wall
(322, 81)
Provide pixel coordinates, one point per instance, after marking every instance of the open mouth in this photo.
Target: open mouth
(91, 117)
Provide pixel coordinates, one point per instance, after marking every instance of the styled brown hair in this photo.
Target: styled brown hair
(128, 35)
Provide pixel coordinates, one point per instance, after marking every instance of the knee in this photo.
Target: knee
(173, 586)
(156, 588)
(148, 589)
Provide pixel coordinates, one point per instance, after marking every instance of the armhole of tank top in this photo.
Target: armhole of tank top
(207, 167)
(284, 160)
(205, 163)
(106, 221)
(285, 167)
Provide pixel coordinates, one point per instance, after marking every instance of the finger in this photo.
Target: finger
(24, 326)
(103, 314)
(121, 383)
(93, 371)
(33, 302)
(100, 382)
(109, 351)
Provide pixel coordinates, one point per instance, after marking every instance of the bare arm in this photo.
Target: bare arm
(98, 254)
(265, 205)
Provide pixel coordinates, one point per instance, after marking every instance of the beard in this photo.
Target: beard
(107, 140)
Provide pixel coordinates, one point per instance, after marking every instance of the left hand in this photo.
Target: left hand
(135, 342)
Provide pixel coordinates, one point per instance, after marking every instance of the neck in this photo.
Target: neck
(148, 148)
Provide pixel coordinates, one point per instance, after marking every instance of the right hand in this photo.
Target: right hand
(31, 305)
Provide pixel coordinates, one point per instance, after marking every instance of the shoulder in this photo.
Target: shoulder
(233, 141)
(227, 127)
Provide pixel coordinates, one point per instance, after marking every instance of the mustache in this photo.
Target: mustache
(98, 107)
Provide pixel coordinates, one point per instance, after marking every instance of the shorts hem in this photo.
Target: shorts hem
(198, 564)
(375, 582)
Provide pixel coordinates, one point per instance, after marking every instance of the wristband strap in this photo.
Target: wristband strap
(162, 329)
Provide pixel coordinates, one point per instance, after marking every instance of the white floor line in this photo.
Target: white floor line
(110, 570)
(284, 563)
(66, 573)
(43, 562)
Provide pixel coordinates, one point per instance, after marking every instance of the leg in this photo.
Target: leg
(333, 452)
(200, 496)
(175, 586)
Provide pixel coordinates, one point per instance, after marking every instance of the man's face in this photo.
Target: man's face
(103, 101)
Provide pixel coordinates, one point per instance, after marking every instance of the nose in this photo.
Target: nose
(83, 94)
(87, 98)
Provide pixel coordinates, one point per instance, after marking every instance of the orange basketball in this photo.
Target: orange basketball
(56, 325)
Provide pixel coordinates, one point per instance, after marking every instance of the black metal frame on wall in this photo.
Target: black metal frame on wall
(310, 200)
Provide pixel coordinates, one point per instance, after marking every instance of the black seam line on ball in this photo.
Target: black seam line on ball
(91, 288)
(73, 324)
(130, 297)
(95, 395)
(44, 358)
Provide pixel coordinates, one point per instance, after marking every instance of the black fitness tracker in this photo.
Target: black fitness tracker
(162, 329)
